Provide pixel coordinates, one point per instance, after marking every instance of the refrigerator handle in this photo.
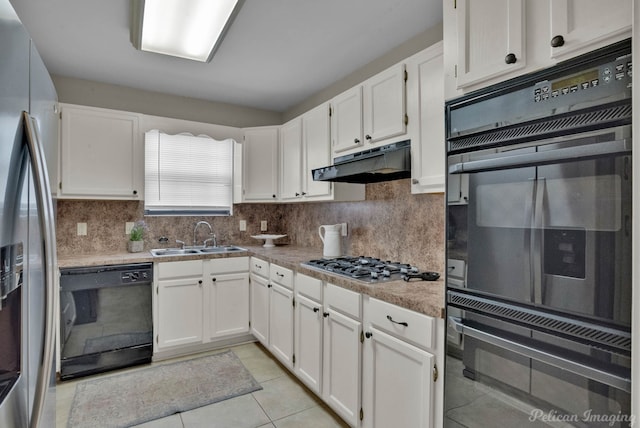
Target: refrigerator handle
(542, 355)
(46, 219)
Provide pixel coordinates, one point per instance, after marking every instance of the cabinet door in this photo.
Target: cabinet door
(384, 106)
(398, 383)
(428, 151)
(101, 154)
(281, 324)
(346, 120)
(180, 312)
(260, 309)
(308, 342)
(316, 138)
(260, 164)
(228, 304)
(488, 33)
(341, 366)
(291, 160)
(587, 25)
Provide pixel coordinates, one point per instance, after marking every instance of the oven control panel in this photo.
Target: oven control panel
(617, 73)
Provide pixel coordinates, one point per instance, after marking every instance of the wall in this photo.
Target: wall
(399, 53)
(95, 94)
(391, 224)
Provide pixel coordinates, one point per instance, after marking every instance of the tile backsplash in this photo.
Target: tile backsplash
(390, 223)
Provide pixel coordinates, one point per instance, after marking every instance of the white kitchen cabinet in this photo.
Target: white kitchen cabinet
(427, 104)
(199, 302)
(491, 39)
(384, 105)
(259, 280)
(291, 160)
(228, 290)
(346, 120)
(587, 25)
(260, 164)
(101, 154)
(281, 314)
(179, 314)
(399, 366)
(272, 308)
(308, 332)
(500, 39)
(342, 353)
(305, 144)
(370, 114)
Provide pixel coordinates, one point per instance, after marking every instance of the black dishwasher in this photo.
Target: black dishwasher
(105, 318)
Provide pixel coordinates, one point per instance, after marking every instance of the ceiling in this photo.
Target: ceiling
(276, 54)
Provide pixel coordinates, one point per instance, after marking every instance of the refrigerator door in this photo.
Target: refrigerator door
(14, 93)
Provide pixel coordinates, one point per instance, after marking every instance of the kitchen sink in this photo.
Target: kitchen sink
(158, 252)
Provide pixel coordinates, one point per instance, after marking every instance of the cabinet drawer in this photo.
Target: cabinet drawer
(260, 267)
(282, 276)
(420, 328)
(179, 269)
(229, 265)
(343, 300)
(309, 287)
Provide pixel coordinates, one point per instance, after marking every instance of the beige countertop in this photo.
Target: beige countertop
(426, 297)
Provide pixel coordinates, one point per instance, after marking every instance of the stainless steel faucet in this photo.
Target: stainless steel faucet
(213, 236)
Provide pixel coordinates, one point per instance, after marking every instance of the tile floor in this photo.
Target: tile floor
(283, 402)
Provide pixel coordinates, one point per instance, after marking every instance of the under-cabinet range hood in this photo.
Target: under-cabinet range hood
(385, 163)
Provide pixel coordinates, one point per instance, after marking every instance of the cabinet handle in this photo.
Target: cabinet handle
(273, 196)
(214, 279)
(297, 194)
(258, 266)
(356, 140)
(281, 275)
(325, 314)
(368, 137)
(304, 193)
(200, 283)
(397, 322)
(135, 192)
(316, 309)
(368, 335)
(269, 286)
(557, 41)
(510, 58)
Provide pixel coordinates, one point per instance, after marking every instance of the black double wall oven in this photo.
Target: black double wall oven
(540, 327)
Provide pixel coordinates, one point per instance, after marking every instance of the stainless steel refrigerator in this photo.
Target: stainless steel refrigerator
(28, 130)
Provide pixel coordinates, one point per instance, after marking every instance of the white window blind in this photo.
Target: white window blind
(187, 175)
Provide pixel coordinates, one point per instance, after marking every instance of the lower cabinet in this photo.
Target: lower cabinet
(272, 308)
(342, 351)
(399, 367)
(199, 302)
(308, 330)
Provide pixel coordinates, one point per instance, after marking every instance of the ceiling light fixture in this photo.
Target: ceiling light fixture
(191, 29)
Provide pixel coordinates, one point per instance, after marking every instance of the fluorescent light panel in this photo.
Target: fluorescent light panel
(185, 28)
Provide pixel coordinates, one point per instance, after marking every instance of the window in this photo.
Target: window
(187, 175)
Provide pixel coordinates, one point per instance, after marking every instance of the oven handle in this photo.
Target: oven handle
(568, 154)
(601, 376)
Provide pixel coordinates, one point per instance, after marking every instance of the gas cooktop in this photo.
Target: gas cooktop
(370, 269)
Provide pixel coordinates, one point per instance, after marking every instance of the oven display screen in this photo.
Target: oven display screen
(576, 80)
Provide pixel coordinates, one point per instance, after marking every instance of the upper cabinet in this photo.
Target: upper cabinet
(305, 144)
(370, 114)
(427, 104)
(101, 155)
(580, 26)
(346, 120)
(260, 164)
(494, 40)
(384, 105)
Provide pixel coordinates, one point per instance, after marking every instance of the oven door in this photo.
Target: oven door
(549, 225)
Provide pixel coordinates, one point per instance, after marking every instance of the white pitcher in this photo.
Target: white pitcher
(331, 240)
